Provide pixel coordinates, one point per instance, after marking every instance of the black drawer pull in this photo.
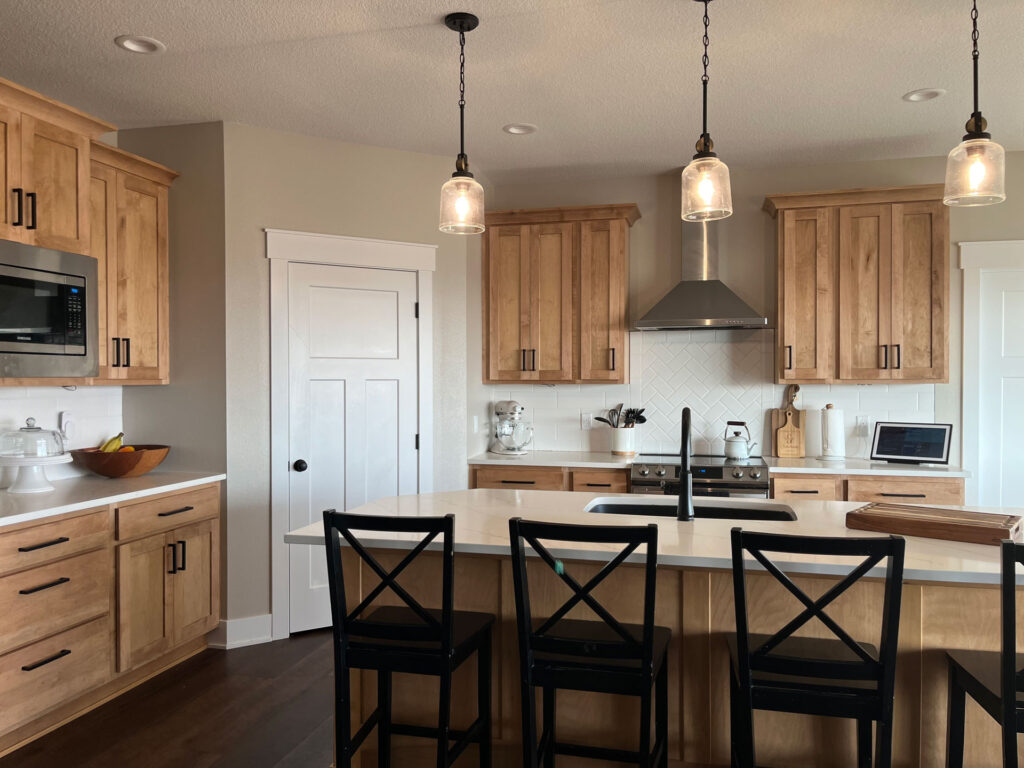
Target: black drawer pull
(44, 545)
(613, 358)
(899, 356)
(31, 197)
(127, 352)
(519, 482)
(19, 218)
(41, 587)
(174, 512)
(523, 365)
(47, 660)
(117, 352)
(812, 492)
(789, 357)
(599, 485)
(905, 495)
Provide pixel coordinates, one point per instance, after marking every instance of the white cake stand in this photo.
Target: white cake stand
(32, 471)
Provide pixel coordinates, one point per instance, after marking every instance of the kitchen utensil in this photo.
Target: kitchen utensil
(31, 449)
(511, 433)
(932, 523)
(737, 446)
(779, 417)
(615, 414)
(789, 438)
(833, 434)
(121, 464)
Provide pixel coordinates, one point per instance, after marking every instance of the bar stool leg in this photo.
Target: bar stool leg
(743, 726)
(661, 713)
(384, 723)
(883, 742)
(483, 701)
(444, 719)
(342, 720)
(547, 737)
(864, 743)
(529, 706)
(645, 728)
(955, 722)
(1010, 745)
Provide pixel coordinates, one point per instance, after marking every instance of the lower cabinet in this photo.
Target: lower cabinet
(898, 489)
(525, 478)
(807, 487)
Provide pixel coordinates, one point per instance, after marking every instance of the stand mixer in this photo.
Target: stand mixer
(511, 433)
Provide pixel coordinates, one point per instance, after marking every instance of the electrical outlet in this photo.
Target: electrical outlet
(476, 425)
(586, 421)
(861, 428)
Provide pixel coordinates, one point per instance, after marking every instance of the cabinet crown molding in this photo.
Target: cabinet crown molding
(25, 100)
(123, 160)
(835, 197)
(628, 211)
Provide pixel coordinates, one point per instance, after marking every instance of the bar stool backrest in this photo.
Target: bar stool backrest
(427, 629)
(621, 642)
(1011, 679)
(862, 665)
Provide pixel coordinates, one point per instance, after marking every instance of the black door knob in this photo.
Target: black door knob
(300, 465)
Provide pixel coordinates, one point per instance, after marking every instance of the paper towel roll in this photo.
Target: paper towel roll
(833, 434)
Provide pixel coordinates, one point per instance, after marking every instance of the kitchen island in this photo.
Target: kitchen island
(950, 600)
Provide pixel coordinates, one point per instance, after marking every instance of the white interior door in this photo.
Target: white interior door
(1000, 388)
(352, 406)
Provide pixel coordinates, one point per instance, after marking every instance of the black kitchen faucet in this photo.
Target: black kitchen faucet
(684, 511)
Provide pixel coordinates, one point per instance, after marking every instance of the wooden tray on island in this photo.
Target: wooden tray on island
(934, 523)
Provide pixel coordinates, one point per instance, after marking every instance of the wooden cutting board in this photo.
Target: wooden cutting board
(794, 447)
(932, 523)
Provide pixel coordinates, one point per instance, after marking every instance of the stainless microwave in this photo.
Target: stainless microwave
(48, 313)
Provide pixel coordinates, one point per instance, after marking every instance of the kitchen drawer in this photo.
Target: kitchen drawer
(598, 480)
(46, 674)
(47, 599)
(40, 544)
(143, 518)
(906, 490)
(807, 488)
(521, 478)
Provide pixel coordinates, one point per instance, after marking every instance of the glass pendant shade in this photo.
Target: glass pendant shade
(975, 174)
(462, 206)
(707, 194)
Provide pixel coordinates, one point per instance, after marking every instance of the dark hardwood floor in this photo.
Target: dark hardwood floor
(266, 706)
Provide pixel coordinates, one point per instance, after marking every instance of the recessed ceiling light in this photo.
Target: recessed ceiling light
(139, 44)
(924, 94)
(520, 129)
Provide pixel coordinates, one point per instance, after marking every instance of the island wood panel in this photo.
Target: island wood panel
(506, 279)
(807, 295)
(550, 353)
(920, 291)
(604, 352)
(865, 279)
(10, 174)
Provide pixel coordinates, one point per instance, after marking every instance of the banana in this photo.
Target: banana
(113, 444)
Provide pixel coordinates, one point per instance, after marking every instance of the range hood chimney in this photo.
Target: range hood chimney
(701, 300)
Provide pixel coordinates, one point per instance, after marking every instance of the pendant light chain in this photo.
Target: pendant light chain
(704, 78)
(974, 53)
(462, 94)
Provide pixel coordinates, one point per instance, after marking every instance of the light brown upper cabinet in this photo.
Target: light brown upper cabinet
(44, 166)
(129, 239)
(863, 285)
(554, 294)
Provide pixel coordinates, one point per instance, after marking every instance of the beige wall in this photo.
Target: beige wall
(288, 181)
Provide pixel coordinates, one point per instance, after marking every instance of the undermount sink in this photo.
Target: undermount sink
(701, 509)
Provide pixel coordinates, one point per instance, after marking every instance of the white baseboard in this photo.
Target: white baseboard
(237, 633)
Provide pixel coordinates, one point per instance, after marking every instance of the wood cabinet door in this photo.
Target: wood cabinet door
(603, 254)
(865, 292)
(920, 291)
(12, 213)
(140, 301)
(55, 170)
(806, 295)
(103, 248)
(507, 282)
(144, 600)
(550, 353)
(196, 585)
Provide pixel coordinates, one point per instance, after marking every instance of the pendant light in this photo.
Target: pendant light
(976, 167)
(462, 197)
(707, 195)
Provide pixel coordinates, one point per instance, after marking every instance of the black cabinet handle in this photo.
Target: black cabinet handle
(47, 660)
(533, 357)
(885, 357)
(904, 495)
(519, 482)
(127, 352)
(174, 559)
(810, 492)
(899, 357)
(789, 357)
(19, 195)
(523, 363)
(613, 358)
(117, 352)
(44, 545)
(31, 197)
(174, 512)
(300, 465)
(41, 587)
(181, 566)
(599, 485)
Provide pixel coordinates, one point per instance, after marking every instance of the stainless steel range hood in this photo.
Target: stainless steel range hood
(701, 300)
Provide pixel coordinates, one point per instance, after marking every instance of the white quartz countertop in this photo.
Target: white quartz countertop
(78, 493)
(481, 527)
(582, 459)
(859, 467)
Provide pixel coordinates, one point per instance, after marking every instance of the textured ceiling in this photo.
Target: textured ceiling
(613, 84)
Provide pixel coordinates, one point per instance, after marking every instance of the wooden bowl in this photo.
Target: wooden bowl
(126, 464)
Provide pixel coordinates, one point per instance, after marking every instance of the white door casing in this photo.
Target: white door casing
(993, 370)
(351, 386)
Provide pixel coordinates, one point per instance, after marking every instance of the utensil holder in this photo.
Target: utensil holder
(624, 441)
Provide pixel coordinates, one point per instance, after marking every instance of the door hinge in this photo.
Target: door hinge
(416, 309)
(417, 441)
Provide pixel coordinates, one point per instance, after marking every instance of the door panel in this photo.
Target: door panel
(550, 355)
(55, 166)
(145, 623)
(353, 405)
(920, 291)
(508, 284)
(10, 175)
(807, 299)
(865, 293)
(103, 248)
(603, 352)
(196, 593)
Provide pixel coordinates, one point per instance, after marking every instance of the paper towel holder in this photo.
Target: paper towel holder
(833, 441)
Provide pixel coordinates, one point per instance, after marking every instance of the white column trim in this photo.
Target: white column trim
(282, 248)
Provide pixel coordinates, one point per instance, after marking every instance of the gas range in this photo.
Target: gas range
(658, 473)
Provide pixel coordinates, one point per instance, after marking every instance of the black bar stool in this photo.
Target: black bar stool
(409, 639)
(833, 677)
(603, 656)
(993, 678)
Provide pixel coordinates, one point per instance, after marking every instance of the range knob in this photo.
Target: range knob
(643, 471)
(737, 473)
(755, 474)
(660, 472)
